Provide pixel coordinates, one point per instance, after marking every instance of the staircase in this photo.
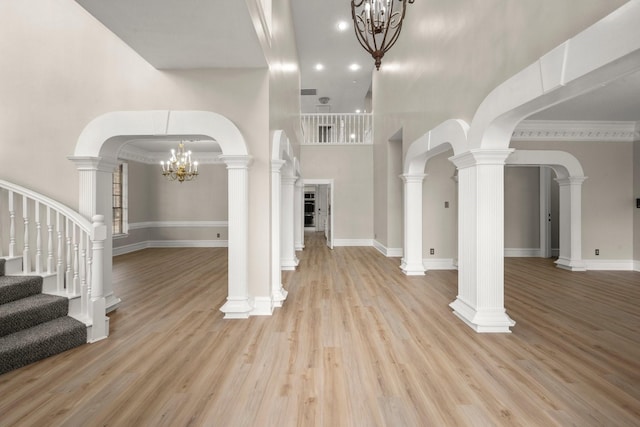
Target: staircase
(51, 276)
(33, 325)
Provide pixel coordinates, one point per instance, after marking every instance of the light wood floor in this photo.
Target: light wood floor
(356, 344)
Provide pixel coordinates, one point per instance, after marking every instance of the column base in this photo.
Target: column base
(112, 303)
(483, 321)
(571, 265)
(263, 306)
(289, 264)
(416, 269)
(299, 247)
(279, 297)
(237, 308)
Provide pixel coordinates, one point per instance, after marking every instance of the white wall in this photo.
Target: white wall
(351, 168)
(522, 207)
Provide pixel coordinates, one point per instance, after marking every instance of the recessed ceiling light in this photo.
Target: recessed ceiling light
(342, 26)
(319, 67)
(354, 67)
(357, 111)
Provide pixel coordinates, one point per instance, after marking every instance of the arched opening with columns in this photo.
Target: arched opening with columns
(577, 66)
(284, 215)
(95, 157)
(449, 135)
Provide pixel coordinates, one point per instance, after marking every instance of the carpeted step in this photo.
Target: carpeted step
(2, 261)
(41, 341)
(13, 288)
(28, 312)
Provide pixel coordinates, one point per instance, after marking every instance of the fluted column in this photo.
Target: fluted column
(570, 190)
(412, 264)
(480, 300)
(289, 260)
(238, 304)
(298, 215)
(96, 181)
(278, 294)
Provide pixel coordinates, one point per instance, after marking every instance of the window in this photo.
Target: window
(120, 196)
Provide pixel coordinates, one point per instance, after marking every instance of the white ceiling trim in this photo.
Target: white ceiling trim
(136, 154)
(577, 130)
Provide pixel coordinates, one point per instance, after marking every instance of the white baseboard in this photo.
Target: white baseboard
(388, 252)
(522, 252)
(352, 242)
(439, 264)
(609, 264)
(636, 265)
(121, 250)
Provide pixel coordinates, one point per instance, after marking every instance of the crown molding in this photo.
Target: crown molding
(139, 155)
(577, 130)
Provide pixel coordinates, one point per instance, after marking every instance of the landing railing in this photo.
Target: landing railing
(61, 245)
(328, 129)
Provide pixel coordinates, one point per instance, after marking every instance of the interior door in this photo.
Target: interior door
(329, 226)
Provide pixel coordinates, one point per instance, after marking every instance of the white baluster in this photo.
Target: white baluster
(59, 254)
(89, 274)
(12, 226)
(83, 269)
(26, 255)
(38, 239)
(49, 242)
(76, 261)
(68, 277)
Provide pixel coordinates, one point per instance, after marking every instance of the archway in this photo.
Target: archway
(451, 134)
(95, 157)
(606, 51)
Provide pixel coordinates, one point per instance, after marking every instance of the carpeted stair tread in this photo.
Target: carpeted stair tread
(41, 341)
(13, 288)
(2, 261)
(28, 312)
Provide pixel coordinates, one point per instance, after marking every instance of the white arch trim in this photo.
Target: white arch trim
(104, 135)
(451, 134)
(564, 164)
(602, 53)
(95, 155)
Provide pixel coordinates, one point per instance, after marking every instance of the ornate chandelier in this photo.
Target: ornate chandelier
(377, 25)
(179, 166)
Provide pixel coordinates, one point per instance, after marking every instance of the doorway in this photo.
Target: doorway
(318, 207)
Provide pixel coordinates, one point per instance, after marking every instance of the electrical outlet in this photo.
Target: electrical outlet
(218, 235)
(432, 251)
(597, 251)
(446, 204)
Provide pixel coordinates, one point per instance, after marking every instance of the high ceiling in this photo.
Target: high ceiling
(190, 34)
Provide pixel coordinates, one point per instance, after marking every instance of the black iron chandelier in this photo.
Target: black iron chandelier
(378, 25)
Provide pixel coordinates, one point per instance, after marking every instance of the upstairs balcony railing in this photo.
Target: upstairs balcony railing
(332, 129)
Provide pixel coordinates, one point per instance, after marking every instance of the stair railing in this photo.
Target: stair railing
(69, 250)
(341, 129)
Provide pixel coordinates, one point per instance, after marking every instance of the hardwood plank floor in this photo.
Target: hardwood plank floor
(357, 343)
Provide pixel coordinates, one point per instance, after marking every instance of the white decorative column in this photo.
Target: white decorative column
(238, 304)
(545, 212)
(298, 215)
(412, 264)
(571, 223)
(288, 260)
(480, 300)
(278, 294)
(96, 182)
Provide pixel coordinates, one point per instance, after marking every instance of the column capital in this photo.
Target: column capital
(288, 179)
(413, 177)
(86, 163)
(481, 157)
(571, 180)
(236, 161)
(276, 165)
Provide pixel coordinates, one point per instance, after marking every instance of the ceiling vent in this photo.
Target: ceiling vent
(308, 91)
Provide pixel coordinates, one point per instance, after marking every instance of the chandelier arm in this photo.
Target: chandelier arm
(364, 42)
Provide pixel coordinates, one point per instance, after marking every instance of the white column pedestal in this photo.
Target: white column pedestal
(571, 224)
(480, 300)
(412, 264)
(239, 304)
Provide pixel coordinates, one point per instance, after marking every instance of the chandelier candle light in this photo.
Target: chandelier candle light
(377, 24)
(179, 166)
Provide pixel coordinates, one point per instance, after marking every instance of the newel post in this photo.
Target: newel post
(97, 306)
